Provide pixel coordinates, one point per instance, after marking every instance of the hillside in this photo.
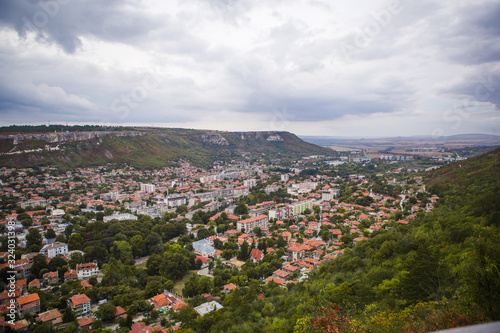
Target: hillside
(146, 147)
(437, 272)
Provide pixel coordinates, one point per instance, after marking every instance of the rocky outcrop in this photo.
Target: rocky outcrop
(274, 137)
(69, 136)
(214, 139)
(268, 136)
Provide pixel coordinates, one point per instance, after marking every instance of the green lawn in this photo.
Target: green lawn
(179, 285)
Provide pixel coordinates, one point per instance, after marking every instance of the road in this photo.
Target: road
(205, 272)
(141, 260)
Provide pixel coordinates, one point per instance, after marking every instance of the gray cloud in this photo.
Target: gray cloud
(321, 61)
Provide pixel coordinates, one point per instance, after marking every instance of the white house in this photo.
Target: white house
(84, 271)
(53, 249)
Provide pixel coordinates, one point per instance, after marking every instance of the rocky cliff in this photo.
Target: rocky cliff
(63, 137)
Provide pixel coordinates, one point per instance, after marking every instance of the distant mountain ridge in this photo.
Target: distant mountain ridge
(473, 139)
(148, 147)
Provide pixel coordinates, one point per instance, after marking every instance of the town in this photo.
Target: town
(121, 248)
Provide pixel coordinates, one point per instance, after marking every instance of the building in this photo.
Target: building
(250, 182)
(205, 308)
(53, 317)
(203, 248)
(175, 201)
(299, 207)
(256, 255)
(281, 213)
(148, 188)
(50, 278)
(119, 217)
(84, 271)
(261, 221)
(330, 194)
(28, 304)
(80, 304)
(53, 249)
(301, 188)
(34, 203)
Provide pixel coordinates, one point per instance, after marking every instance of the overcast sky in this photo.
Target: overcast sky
(360, 68)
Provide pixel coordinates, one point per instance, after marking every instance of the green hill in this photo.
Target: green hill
(143, 147)
(439, 271)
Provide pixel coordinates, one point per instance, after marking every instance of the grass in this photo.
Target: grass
(179, 285)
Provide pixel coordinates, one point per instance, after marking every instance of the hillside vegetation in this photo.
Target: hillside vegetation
(439, 271)
(160, 147)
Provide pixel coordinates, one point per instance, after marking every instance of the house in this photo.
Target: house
(53, 317)
(204, 261)
(236, 263)
(80, 304)
(34, 284)
(178, 305)
(160, 301)
(85, 285)
(229, 288)
(70, 275)
(50, 278)
(247, 225)
(120, 312)
(203, 248)
(53, 249)
(140, 327)
(28, 304)
(20, 325)
(86, 322)
(281, 274)
(207, 307)
(84, 271)
(297, 251)
(256, 255)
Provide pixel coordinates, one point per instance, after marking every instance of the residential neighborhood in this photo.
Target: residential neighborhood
(233, 224)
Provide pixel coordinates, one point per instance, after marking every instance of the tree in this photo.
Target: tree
(56, 262)
(68, 316)
(106, 312)
(34, 240)
(153, 264)
(479, 271)
(76, 258)
(241, 209)
(175, 264)
(50, 234)
(138, 246)
(244, 253)
(75, 242)
(122, 250)
(39, 263)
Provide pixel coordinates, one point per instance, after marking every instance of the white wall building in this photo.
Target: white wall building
(53, 249)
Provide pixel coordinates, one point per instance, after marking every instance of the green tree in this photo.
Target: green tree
(34, 240)
(56, 262)
(75, 259)
(69, 316)
(50, 234)
(106, 312)
(175, 264)
(39, 263)
(479, 271)
(244, 253)
(241, 209)
(75, 242)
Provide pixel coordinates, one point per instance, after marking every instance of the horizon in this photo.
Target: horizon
(366, 69)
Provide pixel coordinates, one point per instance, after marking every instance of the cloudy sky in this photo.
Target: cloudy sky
(360, 68)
